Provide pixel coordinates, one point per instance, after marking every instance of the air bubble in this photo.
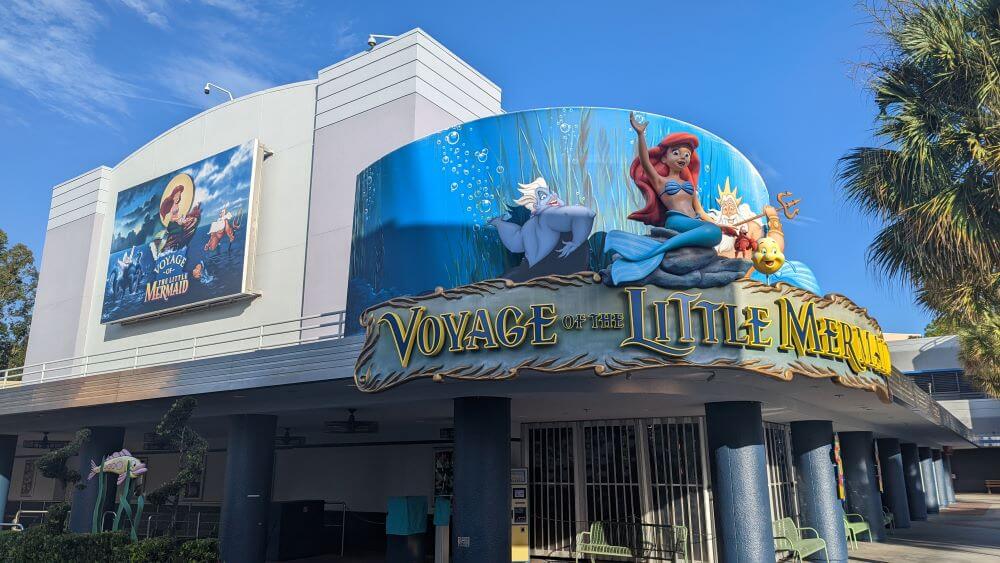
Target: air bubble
(452, 137)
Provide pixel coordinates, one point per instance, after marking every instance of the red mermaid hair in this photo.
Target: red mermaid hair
(168, 203)
(654, 213)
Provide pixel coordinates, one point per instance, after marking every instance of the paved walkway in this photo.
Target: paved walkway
(968, 531)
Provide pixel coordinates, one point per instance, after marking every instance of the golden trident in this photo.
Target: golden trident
(787, 207)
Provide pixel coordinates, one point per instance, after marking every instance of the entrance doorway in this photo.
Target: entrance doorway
(649, 471)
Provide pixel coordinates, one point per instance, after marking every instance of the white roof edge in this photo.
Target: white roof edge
(216, 107)
(102, 167)
(422, 33)
(924, 340)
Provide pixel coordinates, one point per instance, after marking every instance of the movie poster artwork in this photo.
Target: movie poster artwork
(182, 239)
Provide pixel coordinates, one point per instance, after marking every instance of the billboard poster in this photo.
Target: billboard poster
(183, 239)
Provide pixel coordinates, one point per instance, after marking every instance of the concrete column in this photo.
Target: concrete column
(940, 478)
(930, 482)
(949, 480)
(915, 498)
(739, 481)
(246, 498)
(893, 482)
(812, 453)
(104, 440)
(8, 446)
(482, 480)
(860, 480)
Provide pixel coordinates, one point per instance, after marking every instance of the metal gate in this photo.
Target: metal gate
(648, 471)
(678, 477)
(780, 476)
(552, 478)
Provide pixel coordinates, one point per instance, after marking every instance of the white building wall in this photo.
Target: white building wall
(322, 133)
(74, 262)
(69, 263)
(367, 106)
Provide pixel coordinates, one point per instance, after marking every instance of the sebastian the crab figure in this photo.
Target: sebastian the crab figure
(744, 245)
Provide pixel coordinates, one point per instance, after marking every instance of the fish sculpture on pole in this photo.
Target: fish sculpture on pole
(118, 463)
(127, 468)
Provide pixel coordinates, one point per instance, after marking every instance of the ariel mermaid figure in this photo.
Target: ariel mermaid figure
(667, 175)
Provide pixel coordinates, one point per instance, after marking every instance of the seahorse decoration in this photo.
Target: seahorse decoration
(127, 468)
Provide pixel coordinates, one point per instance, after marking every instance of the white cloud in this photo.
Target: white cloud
(153, 11)
(46, 50)
(346, 38)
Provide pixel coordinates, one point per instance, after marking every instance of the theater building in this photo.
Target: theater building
(378, 284)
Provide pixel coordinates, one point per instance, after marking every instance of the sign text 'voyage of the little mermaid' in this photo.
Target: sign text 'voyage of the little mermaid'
(494, 329)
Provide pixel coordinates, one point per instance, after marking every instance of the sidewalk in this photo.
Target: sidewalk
(966, 531)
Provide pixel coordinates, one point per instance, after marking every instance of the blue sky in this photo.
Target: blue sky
(87, 82)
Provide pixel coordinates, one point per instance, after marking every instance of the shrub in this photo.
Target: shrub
(55, 521)
(153, 550)
(36, 545)
(199, 551)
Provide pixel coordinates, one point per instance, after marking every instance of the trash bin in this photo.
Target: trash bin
(405, 526)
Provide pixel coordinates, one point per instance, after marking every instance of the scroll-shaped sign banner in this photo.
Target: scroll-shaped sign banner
(496, 328)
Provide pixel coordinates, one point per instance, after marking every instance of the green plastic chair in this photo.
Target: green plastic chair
(888, 519)
(854, 526)
(788, 537)
(680, 537)
(593, 543)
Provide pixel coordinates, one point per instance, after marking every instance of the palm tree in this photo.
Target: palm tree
(934, 183)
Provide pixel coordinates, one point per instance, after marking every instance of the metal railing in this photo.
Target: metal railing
(192, 522)
(301, 330)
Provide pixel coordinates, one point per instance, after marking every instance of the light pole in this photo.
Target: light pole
(209, 86)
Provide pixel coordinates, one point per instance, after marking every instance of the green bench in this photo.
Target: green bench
(854, 526)
(593, 543)
(788, 537)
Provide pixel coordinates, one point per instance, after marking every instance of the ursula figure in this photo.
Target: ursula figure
(667, 175)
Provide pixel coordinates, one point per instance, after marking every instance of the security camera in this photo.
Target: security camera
(371, 41)
(208, 90)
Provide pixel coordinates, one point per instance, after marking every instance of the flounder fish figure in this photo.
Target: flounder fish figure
(118, 463)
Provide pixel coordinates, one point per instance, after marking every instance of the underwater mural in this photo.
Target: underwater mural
(182, 238)
(563, 190)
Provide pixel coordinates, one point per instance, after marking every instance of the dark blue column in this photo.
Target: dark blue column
(104, 440)
(930, 483)
(893, 483)
(949, 481)
(812, 453)
(739, 481)
(8, 446)
(860, 480)
(939, 476)
(246, 497)
(915, 498)
(482, 480)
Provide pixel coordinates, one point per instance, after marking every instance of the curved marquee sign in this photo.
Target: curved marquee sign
(495, 329)
(588, 239)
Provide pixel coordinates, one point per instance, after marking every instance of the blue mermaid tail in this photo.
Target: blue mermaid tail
(641, 255)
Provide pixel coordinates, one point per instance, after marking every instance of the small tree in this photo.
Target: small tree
(53, 464)
(18, 280)
(174, 432)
